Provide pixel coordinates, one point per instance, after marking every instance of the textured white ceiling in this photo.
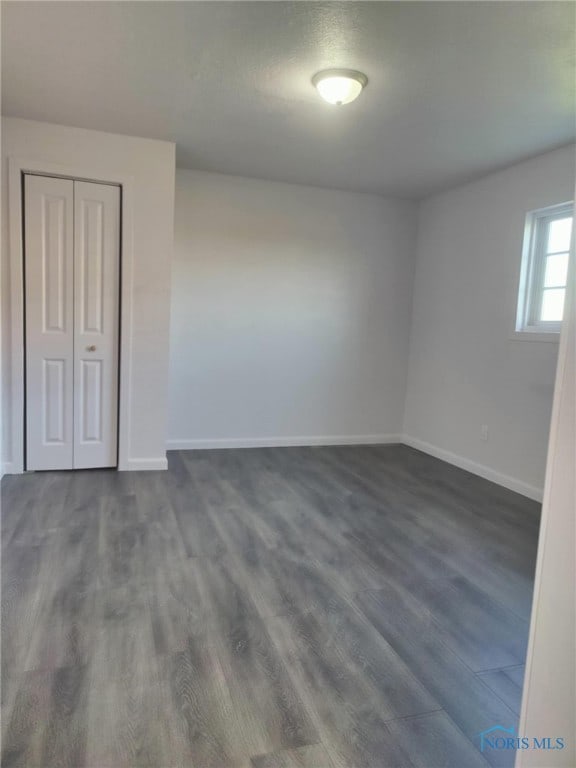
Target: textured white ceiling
(456, 89)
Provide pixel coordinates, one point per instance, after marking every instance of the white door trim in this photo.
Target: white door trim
(17, 166)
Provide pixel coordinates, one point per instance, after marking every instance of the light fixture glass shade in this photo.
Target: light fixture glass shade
(339, 86)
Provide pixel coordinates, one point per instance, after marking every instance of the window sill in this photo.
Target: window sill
(553, 336)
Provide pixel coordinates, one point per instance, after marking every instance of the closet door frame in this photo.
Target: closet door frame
(17, 168)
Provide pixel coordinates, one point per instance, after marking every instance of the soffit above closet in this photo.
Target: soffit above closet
(455, 89)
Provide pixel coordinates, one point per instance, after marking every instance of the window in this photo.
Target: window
(544, 269)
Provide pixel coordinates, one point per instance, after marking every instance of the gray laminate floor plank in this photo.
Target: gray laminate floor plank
(270, 608)
(263, 520)
(352, 682)
(459, 608)
(125, 714)
(47, 725)
(231, 695)
(470, 704)
(282, 583)
(471, 491)
(507, 684)
(235, 517)
(433, 741)
(201, 592)
(461, 537)
(199, 535)
(314, 756)
(491, 525)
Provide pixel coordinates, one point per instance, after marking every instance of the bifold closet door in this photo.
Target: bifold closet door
(96, 318)
(49, 280)
(72, 282)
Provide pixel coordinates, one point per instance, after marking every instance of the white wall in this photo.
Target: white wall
(151, 165)
(549, 697)
(290, 313)
(3, 256)
(291, 308)
(466, 368)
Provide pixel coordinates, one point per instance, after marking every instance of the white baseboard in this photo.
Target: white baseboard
(512, 483)
(161, 463)
(143, 465)
(481, 470)
(281, 442)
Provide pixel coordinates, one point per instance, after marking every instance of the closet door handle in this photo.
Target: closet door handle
(91, 348)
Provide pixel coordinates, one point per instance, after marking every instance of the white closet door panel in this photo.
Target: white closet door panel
(96, 316)
(48, 271)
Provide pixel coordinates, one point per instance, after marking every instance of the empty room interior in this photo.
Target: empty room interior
(287, 384)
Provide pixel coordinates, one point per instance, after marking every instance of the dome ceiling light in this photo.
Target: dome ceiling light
(339, 86)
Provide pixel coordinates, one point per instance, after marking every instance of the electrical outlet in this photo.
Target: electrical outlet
(484, 432)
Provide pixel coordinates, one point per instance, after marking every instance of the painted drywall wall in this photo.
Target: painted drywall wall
(467, 369)
(549, 696)
(290, 313)
(3, 255)
(151, 166)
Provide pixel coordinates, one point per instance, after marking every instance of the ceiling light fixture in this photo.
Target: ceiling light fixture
(339, 86)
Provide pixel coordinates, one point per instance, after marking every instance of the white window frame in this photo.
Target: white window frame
(532, 273)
